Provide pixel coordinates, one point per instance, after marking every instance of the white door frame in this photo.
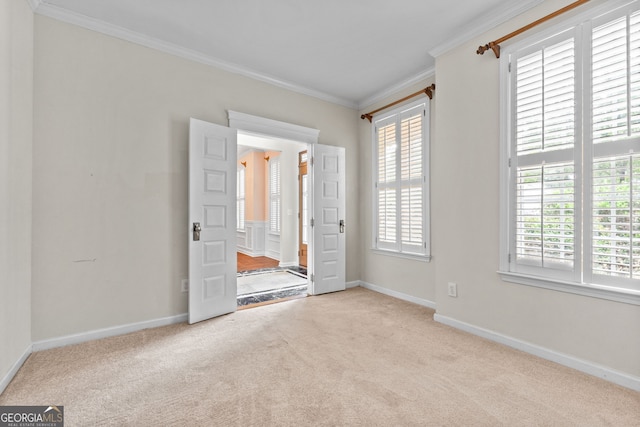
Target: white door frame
(280, 130)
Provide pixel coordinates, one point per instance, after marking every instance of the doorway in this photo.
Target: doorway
(270, 213)
(213, 216)
(303, 209)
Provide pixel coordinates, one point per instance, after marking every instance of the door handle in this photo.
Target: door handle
(196, 231)
(342, 225)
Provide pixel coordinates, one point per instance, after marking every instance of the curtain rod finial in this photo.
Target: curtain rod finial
(492, 45)
(367, 116)
(429, 90)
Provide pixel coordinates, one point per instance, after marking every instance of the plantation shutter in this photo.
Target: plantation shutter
(544, 138)
(411, 177)
(386, 186)
(240, 199)
(614, 243)
(401, 181)
(274, 195)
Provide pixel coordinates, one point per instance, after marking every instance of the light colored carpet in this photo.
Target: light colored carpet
(261, 282)
(351, 358)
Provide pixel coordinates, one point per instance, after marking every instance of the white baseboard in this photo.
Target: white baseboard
(611, 375)
(107, 332)
(288, 264)
(399, 295)
(353, 284)
(14, 369)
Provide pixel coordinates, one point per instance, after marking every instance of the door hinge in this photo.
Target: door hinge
(313, 278)
(312, 160)
(509, 161)
(298, 253)
(509, 258)
(312, 222)
(509, 66)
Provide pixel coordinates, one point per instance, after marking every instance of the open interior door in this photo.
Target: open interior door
(329, 206)
(212, 223)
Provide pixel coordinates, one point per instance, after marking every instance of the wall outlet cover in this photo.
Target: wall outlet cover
(452, 289)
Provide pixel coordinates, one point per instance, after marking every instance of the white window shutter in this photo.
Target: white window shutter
(400, 183)
(545, 130)
(275, 216)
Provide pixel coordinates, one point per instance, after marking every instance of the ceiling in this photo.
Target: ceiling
(351, 52)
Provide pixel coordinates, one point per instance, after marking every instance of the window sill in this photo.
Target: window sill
(627, 296)
(415, 257)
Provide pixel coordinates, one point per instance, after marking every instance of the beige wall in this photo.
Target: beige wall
(110, 172)
(465, 184)
(16, 121)
(255, 208)
(410, 277)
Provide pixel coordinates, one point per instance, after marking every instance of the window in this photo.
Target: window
(571, 208)
(274, 195)
(401, 198)
(240, 199)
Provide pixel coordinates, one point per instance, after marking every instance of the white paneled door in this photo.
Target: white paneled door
(329, 246)
(212, 220)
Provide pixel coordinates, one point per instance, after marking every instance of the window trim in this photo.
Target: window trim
(624, 295)
(393, 252)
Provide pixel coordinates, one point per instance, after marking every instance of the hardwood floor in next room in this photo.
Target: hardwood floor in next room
(245, 262)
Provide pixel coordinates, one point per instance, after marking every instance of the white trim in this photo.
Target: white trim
(15, 368)
(97, 25)
(399, 295)
(273, 128)
(608, 374)
(393, 90)
(626, 296)
(354, 284)
(34, 4)
(107, 332)
(288, 264)
(484, 23)
(415, 257)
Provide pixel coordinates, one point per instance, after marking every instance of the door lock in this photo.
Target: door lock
(196, 231)
(342, 225)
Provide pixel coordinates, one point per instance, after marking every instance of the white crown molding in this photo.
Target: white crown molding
(485, 23)
(35, 4)
(368, 102)
(65, 15)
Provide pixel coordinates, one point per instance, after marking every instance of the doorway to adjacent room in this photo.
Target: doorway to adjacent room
(272, 210)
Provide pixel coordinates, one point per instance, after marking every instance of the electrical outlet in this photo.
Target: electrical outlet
(452, 290)
(184, 286)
